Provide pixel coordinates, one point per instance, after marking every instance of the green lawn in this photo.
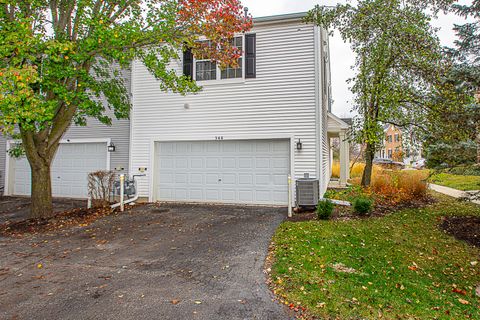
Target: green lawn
(403, 266)
(459, 182)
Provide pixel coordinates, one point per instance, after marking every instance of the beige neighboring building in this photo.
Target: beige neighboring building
(392, 145)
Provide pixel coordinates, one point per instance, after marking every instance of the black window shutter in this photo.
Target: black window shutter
(250, 55)
(188, 63)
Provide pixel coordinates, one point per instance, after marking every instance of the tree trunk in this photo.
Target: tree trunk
(367, 172)
(39, 155)
(41, 190)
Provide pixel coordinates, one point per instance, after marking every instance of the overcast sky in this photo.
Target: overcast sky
(341, 56)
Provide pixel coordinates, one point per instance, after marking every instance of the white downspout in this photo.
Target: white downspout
(290, 196)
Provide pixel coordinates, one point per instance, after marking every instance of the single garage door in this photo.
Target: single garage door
(72, 163)
(244, 172)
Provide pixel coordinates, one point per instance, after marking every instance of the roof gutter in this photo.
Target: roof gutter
(280, 18)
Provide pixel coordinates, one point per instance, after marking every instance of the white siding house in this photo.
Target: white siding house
(236, 140)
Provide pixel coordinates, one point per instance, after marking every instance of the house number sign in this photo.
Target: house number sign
(219, 138)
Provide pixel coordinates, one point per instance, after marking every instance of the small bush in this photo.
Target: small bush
(100, 186)
(464, 170)
(324, 209)
(362, 205)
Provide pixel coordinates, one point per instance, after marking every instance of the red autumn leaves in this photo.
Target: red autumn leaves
(218, 21)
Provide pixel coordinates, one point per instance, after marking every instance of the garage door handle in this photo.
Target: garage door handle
(219, 180)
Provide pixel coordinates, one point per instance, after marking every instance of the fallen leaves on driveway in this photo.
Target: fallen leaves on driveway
(80, 217)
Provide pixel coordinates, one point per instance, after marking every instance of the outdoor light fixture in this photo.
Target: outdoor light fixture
(299, 145)
(111, 147)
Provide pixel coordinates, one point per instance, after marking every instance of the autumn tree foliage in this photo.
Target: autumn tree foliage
(398, 61)
(58, 58)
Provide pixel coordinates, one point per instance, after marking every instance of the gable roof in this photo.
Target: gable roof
(336, 124)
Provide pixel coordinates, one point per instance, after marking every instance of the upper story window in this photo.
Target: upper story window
(201, 68)
(204, 68)
(397, 137)
(389, 138)
(208, 70)
(230, 72)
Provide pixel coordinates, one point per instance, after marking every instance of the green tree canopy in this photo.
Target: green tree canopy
(58, 58)
(398, 60)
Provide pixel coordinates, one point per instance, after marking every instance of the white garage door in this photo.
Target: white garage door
(72, 163)
(247, 171)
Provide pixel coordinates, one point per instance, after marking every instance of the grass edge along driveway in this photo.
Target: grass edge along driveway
(398, 266)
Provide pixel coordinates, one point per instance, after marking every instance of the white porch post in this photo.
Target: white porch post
(330, 150)
(344, 159)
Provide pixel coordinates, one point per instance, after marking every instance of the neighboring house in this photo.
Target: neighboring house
(392, 147)
(237, 140)
(81, 151)
(400, 145)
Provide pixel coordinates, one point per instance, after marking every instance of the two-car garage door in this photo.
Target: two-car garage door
(243, 171)
(72, 163)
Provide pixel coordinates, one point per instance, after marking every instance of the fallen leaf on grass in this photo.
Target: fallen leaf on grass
(463, 301)
(39, 266)
(459, 291)
(175, 301)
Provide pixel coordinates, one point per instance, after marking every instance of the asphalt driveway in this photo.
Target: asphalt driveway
(155, 262)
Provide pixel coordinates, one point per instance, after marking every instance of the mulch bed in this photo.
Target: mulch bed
(380, 210)
(76, 217)
(463, 228)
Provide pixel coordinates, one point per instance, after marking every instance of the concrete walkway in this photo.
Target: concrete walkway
(453, 192)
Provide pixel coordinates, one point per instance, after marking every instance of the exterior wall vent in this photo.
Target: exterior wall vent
(307, 192)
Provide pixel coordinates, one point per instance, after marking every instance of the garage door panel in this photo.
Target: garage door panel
(245, 179)
(196, 163)
(247, 171)
(229, 148)
(211, 195)
(213, 163)
(229, 195)
(181, 193)
(167, 163)
(246, 196)
(196, 194)
(196, 179)
(181, 163)
(72, 163)
(263, 196)
(182, 148)
(181, 178)
(229, 163)
(212, 178)
(262, 179)
(229, 179)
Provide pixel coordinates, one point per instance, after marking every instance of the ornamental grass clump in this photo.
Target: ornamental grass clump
(399, 186)
(325, 209)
